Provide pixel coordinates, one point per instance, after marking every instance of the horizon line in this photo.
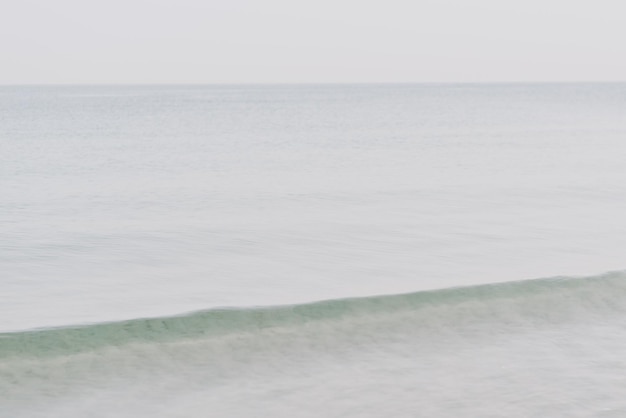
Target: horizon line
(305, 83)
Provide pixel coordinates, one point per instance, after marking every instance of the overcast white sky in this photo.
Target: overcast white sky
(230, 41)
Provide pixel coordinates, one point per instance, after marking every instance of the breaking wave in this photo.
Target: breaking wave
(468, 351)
(540, 300)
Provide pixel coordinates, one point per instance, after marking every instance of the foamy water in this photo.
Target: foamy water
(245, 204)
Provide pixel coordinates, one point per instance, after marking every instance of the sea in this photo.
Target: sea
(338, 250)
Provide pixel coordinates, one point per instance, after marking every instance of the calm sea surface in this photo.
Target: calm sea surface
(222, 212)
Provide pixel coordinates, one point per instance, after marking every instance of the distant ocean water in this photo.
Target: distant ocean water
(232, 250)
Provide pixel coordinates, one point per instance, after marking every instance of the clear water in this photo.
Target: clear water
(130, 202)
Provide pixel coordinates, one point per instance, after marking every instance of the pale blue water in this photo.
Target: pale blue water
(122, 203)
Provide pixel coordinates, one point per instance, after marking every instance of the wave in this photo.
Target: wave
(527, 303)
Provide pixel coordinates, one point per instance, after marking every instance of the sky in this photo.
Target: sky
(321, 41)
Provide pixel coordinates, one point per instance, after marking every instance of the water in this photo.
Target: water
(163, 249)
